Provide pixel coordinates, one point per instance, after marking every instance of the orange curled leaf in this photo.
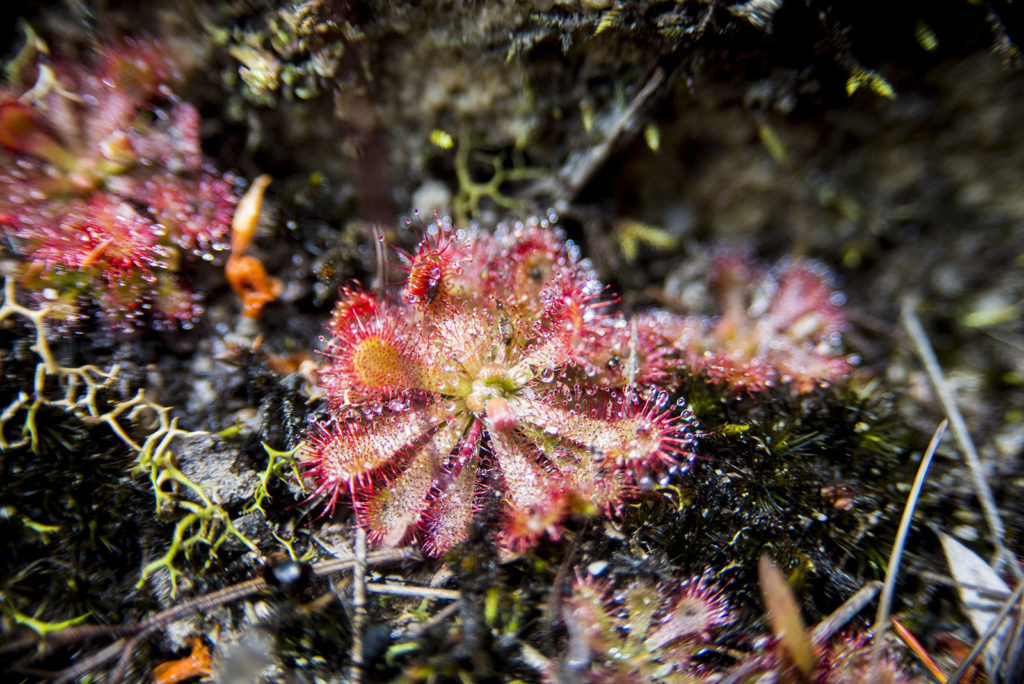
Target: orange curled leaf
(247, 215)
(246, 274)
(248, 278)
(195, 664)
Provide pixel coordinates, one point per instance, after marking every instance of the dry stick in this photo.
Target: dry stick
(579, 169)
(81, 667)
(378, 249)
(199, 604)
(141, 630)
(69, 635)
(900, 543)
(574, 184)
(741, 673)
(117, 674)
(827, 628)
(947, 581)
(551, 610)
(419, 592)
(988, 504)
(980, 644)
(918, 650)
(358, 607)
(329, 567)
(1013, 641)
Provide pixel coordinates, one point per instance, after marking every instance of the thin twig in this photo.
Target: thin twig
(1013, 669)
(743, 670)
(70, 635)
(117, 674)
(899, 544)
(358, 607)
(821, 633)
(580, 168)
(984, 493)
(91, 662)
(329, 567)
(827, 628)
(420, 592)
(947, 581)
(918, 650)
(551, 611)
(134, 633)
(1007, 645)
(983, 640)
(378, 249)
(140, 630)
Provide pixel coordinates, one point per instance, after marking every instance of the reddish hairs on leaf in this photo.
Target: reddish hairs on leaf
(486, 359)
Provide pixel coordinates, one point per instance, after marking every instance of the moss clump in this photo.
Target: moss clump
(815, 481)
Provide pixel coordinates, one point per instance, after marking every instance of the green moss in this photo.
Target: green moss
(813, 481)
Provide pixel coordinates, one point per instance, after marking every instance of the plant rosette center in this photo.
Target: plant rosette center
(484, 376)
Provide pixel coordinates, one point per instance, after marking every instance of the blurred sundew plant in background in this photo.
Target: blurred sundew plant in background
(640, 632)
(779, 326)
(104, 191)
(683, 630)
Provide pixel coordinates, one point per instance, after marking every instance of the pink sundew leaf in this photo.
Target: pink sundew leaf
(346, 454)
(390, 512)
(105, 192)
(499, 349)
(778, 327)
(453, 508)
